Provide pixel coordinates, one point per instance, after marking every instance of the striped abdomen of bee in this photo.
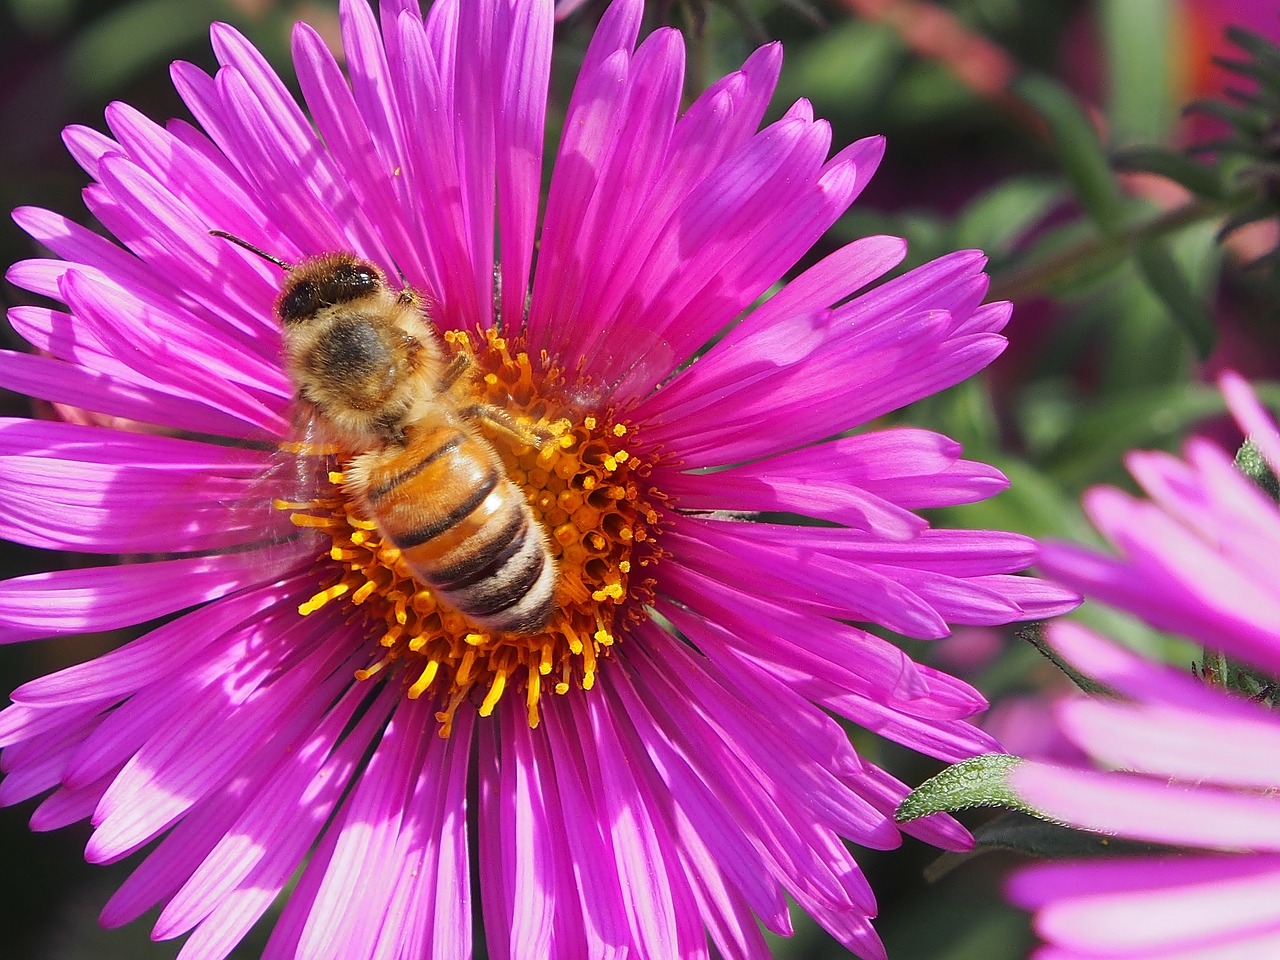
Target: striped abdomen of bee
(463, 527)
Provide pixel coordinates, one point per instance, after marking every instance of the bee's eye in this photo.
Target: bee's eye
(299, 302)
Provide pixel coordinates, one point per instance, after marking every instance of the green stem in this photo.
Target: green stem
(1034, 278)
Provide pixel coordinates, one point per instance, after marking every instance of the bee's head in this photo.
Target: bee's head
(323, 282)
(318, 282)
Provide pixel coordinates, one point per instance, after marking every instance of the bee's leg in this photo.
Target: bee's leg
(456, 368)
(502, 421)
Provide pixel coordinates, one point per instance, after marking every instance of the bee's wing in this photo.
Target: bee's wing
(293, 479)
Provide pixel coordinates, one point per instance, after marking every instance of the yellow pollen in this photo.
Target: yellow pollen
(589, 493)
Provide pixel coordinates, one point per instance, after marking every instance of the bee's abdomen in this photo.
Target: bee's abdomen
(464, 528)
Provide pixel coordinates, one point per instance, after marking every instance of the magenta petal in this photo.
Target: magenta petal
(102, 598)
(1160, 905)
(1150, 810)
(313, 775)
(521, 116)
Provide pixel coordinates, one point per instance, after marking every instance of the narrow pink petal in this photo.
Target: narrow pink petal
(618, 226)
(179, 853)
(1174, 905)
(200, 751)
(538, 894)
(733, 216)
(521, 115)
(496, 894)
(690, 934)
(64, 807)
(641, 851)
(147, 660)
(725, 844)
(371, 174)
(104, 598)
(1168, 555)
(588, 128)
(1144, 681)
(1177, 743)
(367, 829)
(851, 658)
(604, 912)
(1143, 809)
(788, 840)
(1205, 609)
(302, 792)
(807, 763)
(477, 73)
(434, 166)
(87, 146)
(939, 829)
(797, 572)
(85, 388)
(298, 910)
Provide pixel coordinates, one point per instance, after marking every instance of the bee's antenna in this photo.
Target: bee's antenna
(251, 248)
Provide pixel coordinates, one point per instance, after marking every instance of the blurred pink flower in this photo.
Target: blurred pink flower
(1187, 763)
(679, 773)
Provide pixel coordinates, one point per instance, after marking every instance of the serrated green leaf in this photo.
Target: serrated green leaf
(1078, 148)
(1165, 279)
(976, 782)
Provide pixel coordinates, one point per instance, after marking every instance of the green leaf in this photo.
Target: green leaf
(1139, 89)
(1260, 209)
(1043, 839)
(119, 46)
(997, 220)
(976, 782)
(1246, 120)
(1054, 841)
(1078, 148)
(1126, 421)
(1199, 178)
(1165, 279)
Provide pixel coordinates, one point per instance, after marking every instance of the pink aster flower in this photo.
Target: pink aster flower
(660, 767)
(1191, 765)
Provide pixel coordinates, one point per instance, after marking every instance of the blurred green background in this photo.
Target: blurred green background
(1004, 119)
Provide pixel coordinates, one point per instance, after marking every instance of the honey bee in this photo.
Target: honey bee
(369, 365)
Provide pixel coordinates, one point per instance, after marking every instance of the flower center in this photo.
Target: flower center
(585, 484)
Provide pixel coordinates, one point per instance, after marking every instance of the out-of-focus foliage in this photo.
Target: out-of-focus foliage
(1006, 122)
